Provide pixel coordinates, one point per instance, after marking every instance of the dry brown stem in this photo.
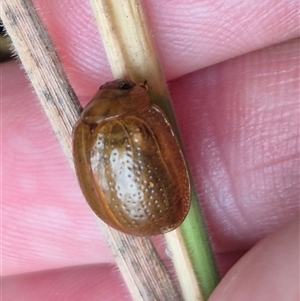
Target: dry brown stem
(145, 275)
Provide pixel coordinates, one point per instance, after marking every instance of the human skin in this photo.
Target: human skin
(234, 80)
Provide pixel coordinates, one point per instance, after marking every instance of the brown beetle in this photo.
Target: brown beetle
(129, 163)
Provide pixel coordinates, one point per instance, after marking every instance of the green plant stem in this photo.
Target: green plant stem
(131, 53)
(199, 248)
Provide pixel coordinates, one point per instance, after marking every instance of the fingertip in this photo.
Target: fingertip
(268, 272)
(89, 282)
